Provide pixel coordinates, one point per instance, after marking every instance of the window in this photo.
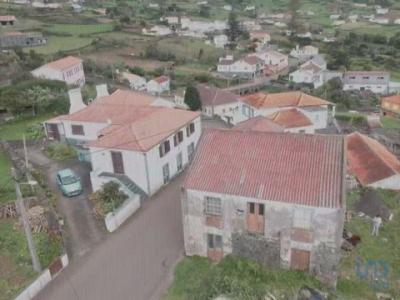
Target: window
(179, 161)
(366, 77)
(190, 129)
(252, 208)
(190, 151)
(77, 130)
(213, 206)
(165, 171)
(178, 138)
(214, 241)
(164, 148)
(261, 209)
(352, 77)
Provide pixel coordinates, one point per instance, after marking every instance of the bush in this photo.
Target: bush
(36, 131)
(109, 198)
(61, 151)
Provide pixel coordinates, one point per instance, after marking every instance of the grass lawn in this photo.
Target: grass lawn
(197, 278)
(6, 184)
(380, 253)
(390, 123)
(79, 29)
(65, 43)
(15, 269)
(13, 130)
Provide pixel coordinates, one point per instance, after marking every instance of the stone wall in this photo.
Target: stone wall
(256, 247)
(325, 264)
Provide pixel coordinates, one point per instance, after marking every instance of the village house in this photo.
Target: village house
(380, 20)
(21, 39)
(304, 53)
(371, 163)
(157, 30)
(68, 69)
(390, 106)
(247, 67)
(7, 20)
(273, 60)
(261, 38)
(318, 111)
(220, 41)
(374, 81)
(128, 139)
(245, 194)
(136, 82)
(311, 72)
(158, 85)
(218, 102)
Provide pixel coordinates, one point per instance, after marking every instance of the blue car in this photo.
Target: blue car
(69, 183)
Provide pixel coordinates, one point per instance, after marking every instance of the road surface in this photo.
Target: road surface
(133, 263)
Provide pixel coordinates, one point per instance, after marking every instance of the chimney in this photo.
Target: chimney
(101, 91)
(75, 100)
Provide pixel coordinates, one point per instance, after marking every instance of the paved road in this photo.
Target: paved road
(132, 263)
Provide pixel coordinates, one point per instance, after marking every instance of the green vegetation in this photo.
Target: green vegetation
(109, 198)
(78, 29)
(390, 123)
(6, 183)
(383, 250)
(192, 98)
(13, 130)
(65, 43)
(61, 151)
(352, 118)
(198, 278)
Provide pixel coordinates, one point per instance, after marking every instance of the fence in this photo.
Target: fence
(115, 219)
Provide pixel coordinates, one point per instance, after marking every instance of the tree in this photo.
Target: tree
(38, 96)
(233, 31)
(192, 98)
(111, 195)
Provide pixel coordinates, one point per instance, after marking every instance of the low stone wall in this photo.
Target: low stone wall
(44, 278)
(257, 248)
(115, 219)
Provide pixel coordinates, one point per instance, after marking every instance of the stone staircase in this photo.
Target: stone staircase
(127, 182)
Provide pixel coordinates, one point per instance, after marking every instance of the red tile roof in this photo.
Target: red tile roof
(161, 79)
(214, 96)
(252, 60)
(64, 63)
(369, 160)
(284, 167)
(286, 99)
(395, 99)
(290, 118)
(259, 124)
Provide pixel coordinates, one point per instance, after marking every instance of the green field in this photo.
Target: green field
(79, 29)
(13, 130)
(390, 123)
(6, 184)
(67, 43)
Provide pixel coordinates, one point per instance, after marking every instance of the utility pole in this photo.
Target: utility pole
(19, 203)
(28, 174)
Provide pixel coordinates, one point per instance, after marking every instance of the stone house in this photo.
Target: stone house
(68, 69)
(318, 111)
(260, 204)
(371, 163)
(128, 138)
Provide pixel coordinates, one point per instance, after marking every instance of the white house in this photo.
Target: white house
(380, 20)
(247, 67)
(371, 163)
(374, 81)
(218, 102)
(304, 53)
(311, 72)
(68, 69)
(382, 10)
(277, 198)
(136, 82)
(220, 40)
(131, 141)
(317, 110)
(273, 60)
(158, 85)
(157, 30)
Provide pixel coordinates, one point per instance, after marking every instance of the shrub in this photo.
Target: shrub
(61, 151)
(109, 198)
(36, 131)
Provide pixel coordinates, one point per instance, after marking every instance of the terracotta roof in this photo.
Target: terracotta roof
(7, 18)
(130, 76)
(284, 167)
(252, 60)
(290, 118)
(286, 99)
(369, 160)
(14, 33)
(275, 53)
(259, 124)
(147, 129)
(64, 63)
(395, 99)
(161, 79)
(310, 66)
(214, 96)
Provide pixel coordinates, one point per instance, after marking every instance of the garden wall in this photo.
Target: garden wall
(115, 219)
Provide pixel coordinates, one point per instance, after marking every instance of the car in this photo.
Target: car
(69, 183)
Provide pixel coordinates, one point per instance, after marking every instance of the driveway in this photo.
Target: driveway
(135, 262)
(82, 232)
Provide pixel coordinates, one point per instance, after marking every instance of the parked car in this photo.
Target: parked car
(69, 183)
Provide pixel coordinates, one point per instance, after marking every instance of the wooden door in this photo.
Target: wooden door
(52, 132)
(118, 163)
(300, 259)
(255, 217)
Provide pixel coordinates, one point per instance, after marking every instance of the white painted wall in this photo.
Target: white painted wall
(375, 88)
(156, 88)
(72, 76)
(390, 183)
(91, 130)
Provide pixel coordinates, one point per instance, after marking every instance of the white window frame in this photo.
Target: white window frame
(213, 206)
